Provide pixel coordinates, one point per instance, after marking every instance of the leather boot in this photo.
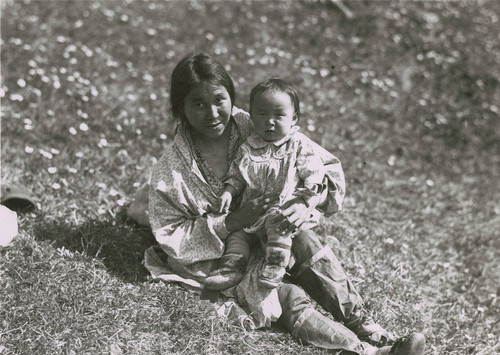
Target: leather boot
(233, 266)
(412, 345)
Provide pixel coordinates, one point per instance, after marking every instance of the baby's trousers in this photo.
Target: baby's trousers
(277, 246)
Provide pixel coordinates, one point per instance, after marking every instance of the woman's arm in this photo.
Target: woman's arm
(179, 211)
(249, 212)
(181, 234)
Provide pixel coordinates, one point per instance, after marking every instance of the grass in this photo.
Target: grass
(406, 95)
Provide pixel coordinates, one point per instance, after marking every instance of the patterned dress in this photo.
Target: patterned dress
(282, 166)
(183, 203)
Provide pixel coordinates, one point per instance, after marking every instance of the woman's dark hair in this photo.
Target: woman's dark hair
(273, 85)
(192, 70)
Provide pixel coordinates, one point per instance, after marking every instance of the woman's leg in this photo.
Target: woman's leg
(307, 324)
(318, 271)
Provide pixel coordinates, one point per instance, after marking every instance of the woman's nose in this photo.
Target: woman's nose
(214, 112)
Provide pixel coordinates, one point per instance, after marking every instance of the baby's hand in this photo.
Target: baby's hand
(225, 201)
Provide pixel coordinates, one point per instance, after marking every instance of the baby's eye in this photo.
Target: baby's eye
(199, 105)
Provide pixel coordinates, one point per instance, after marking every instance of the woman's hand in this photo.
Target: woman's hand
(249, 212)
(294, 215)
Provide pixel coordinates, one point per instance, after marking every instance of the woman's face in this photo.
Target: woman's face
(207, 109)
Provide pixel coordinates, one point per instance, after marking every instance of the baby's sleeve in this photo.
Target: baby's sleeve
(309, 165)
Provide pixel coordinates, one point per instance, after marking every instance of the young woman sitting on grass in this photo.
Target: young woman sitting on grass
(183, 213)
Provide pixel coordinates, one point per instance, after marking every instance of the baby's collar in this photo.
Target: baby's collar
(256, 142)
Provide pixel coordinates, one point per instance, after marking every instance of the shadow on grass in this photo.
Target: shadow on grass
(119, 244)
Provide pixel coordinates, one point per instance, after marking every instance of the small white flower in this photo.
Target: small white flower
(163, 136)
(16, 97)
(29, 149)
(46, 154)
(56, 186)
(52, 170)
(83, 127)
(73, 131)
(324, 72)
(21, 83)
(113, 192)
(103, 142)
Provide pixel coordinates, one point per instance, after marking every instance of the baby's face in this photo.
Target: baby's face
(273, 115)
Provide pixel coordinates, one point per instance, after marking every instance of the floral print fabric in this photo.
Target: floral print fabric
(262, 168)
(183, 201)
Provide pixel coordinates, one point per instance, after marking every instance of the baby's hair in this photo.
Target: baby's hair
(192, 70)
(273, 85)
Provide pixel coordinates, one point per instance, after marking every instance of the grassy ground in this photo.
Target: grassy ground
(406, 94)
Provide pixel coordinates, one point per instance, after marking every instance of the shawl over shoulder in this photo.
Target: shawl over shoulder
(183, 207)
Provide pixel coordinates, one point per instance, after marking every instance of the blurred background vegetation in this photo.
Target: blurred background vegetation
(406, 94)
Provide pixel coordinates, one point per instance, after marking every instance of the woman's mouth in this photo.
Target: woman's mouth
(214, 125)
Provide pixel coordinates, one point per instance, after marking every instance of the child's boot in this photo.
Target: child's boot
(278, 253)
(231, 271)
